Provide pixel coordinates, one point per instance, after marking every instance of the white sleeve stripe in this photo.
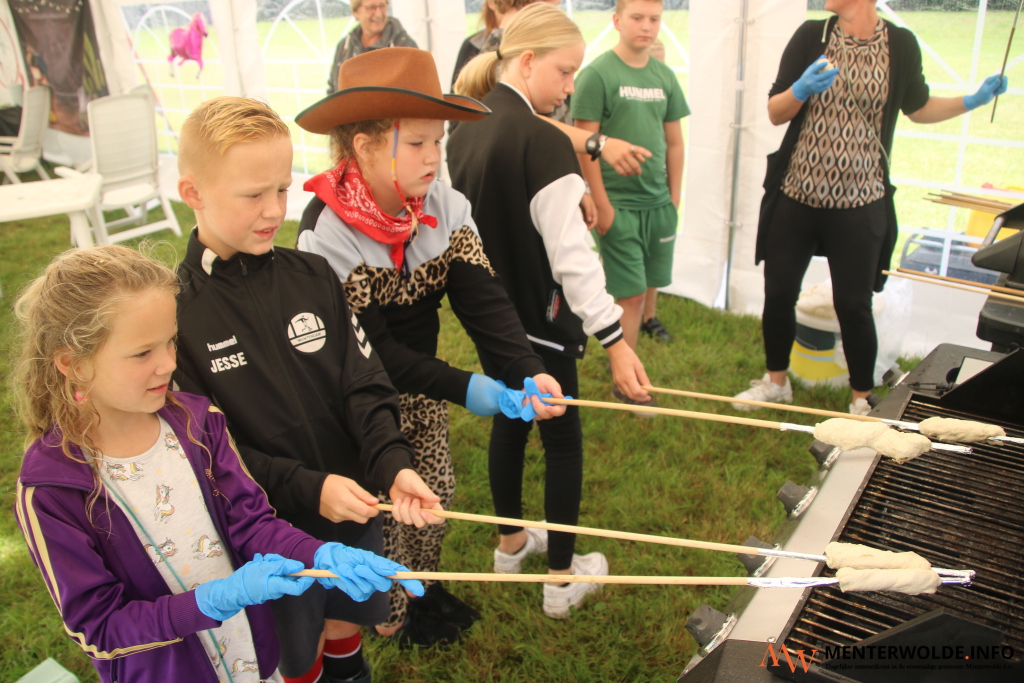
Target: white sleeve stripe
(614, 335)
(574, 265)
(544, 342)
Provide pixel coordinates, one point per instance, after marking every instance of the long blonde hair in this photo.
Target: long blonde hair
(540, 28)
(69, 310)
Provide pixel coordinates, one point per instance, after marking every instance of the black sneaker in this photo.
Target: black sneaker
(653, 327)
(424, 630)
(365, 676)
(437, 602)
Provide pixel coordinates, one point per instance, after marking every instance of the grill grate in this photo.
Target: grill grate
(960, 512)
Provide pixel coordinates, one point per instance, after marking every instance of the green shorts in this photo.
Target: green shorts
(637, 250)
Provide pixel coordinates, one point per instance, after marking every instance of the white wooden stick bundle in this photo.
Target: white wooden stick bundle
(994, 295)
(959, 281)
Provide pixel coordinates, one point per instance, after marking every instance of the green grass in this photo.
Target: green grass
(663, 476)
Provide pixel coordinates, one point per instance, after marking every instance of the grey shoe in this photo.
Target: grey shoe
(766, 391)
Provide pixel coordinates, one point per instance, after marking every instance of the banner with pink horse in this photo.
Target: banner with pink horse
(187, 43)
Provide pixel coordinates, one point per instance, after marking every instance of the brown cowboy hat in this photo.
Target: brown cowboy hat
(388, 83)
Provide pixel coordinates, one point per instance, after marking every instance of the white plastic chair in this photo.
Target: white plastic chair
(23, 153)
(123, 133)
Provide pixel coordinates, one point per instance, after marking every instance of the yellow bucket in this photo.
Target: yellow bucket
(813, 358)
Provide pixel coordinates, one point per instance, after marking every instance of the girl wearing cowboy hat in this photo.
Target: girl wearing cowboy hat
(400, 242)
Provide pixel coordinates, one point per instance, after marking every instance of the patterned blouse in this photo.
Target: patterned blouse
(837, 162)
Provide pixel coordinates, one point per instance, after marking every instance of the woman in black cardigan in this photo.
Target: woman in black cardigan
(827, 189)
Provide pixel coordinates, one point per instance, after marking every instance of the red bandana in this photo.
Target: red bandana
(345, 190)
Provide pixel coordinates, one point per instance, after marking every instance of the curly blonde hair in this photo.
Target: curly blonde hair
(69, 309)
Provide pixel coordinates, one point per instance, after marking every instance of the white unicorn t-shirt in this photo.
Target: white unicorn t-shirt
(161, 490)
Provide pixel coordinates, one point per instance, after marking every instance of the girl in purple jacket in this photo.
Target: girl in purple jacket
(156, 545)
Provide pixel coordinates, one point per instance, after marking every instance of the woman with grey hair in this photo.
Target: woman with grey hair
(375, 30)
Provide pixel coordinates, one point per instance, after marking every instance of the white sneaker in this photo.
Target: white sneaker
(558, 600)
(766, 390)
(860, 407)
(511, 563)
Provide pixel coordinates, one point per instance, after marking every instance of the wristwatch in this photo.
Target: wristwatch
(595, 145)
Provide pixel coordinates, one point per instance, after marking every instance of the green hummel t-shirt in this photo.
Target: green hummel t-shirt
(632, 104)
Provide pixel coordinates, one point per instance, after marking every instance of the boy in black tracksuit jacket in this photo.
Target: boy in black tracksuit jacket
(271, 341)
(267, 334)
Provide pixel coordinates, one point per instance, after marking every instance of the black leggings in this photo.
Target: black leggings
(851, 239)
(563, 458)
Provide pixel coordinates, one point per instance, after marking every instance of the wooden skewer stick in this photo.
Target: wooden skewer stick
(1006, 57)
(995, 295)
(996, 288)
(973, 197)
(975, 206)
(976, 199)
(712, 417)
(587, 531)
(764, 404)
(554, 578)
(732, 419)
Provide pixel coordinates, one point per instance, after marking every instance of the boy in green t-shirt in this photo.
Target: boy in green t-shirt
(625, 93)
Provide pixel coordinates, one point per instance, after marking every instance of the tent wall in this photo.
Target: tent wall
(438, 26)
(12, 64)
(702, 247)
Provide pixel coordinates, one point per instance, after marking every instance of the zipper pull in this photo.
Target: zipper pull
(245, 271)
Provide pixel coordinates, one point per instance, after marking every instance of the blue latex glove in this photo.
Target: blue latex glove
(512, 401)
(812, 82)
(483, 395)
(360, 572)
(990, 87)
(253, 583)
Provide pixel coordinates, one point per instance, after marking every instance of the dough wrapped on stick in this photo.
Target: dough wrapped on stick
(950, 429)
(855, 556)
(850, 434)
(907, 581)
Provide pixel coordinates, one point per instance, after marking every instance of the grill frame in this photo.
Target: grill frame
(991, 546)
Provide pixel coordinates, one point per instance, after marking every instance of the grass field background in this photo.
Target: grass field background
(665, 476)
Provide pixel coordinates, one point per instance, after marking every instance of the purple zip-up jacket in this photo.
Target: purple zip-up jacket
(113, 600)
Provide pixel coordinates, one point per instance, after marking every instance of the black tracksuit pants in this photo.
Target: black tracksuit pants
(563, 458)
(852, 240)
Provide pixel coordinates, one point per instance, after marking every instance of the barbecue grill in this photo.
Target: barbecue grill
(964, 512)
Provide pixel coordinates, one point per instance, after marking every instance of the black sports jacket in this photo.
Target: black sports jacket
(270, 339)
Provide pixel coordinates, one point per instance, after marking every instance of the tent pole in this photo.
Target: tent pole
(737, 127)
(427, 20)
